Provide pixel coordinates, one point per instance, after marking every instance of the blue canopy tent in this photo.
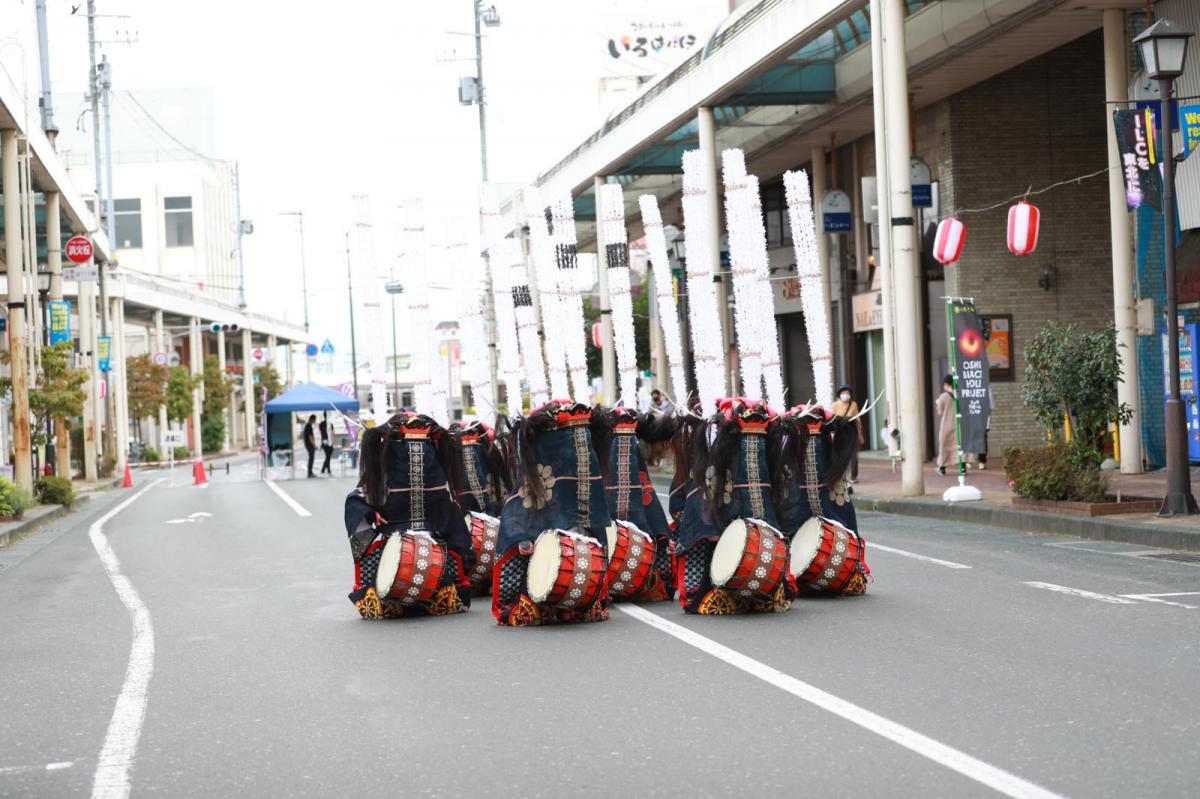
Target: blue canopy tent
(306, 397)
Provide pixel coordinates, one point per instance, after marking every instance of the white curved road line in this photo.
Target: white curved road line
(125, 727)
(291, 503)
(984, 773)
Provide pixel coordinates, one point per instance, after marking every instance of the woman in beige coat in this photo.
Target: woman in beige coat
(947, 439)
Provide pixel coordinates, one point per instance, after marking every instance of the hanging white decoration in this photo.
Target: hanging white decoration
(416, 295)
(527, 333)
(610, 206)
(566, 254)
(703, 312)
(772, 362)
(474, 335)
(813, 297)
(544, 267)
(664, 293)
(508, 351)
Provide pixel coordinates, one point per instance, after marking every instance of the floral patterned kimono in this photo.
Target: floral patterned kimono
(556, 441)
(402, 466)
(632, 498)
(738, 484)
(810, 486)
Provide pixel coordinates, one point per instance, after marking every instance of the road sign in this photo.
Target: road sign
(174, 359)
(259, 355)
(327, 348)
(835, 211)
(80, 273)
(172, 439)
(160, 359)
(311, 350)
(347, 389)
(79, 249)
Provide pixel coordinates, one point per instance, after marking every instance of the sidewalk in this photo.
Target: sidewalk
(879, 488)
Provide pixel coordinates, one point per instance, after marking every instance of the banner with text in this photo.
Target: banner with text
(103, 350)
(970, 365)
(1139, 158)
(60, 321)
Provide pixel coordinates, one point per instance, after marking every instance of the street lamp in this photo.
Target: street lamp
(1164, 51)
(394, 287)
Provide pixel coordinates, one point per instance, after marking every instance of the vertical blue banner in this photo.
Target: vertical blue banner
(60, 321)
(103, 351)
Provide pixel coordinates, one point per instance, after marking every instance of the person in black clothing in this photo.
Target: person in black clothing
(310, 442)
(326, 447)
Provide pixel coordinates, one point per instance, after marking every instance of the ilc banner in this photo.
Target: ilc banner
(1139, 157)
(970, 363)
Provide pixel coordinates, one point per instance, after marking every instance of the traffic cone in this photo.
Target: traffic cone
(127, 481)
(198, 476)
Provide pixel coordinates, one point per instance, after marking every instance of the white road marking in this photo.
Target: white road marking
(293, 504)
(1158, 598)
(949, 564)
(1062, 589)
(984, 773)
(27, 769)
(125, 727)
(199, 515)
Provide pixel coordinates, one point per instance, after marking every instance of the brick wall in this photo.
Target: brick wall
(1039, 123)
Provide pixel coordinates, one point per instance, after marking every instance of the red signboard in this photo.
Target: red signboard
(79, 249)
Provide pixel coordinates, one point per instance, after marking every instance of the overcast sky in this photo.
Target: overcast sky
(319, 101)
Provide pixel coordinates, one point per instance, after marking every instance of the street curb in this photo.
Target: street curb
(1097, 529)
(29, 525)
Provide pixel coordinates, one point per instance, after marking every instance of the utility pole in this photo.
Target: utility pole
(18, 355)
(482, 100)
(350, 290)
(493, 20)
(241, 230)
(47, 106)
(304, 288)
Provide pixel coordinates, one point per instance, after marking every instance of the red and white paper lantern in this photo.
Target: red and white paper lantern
(1023, 220)
(948, 243)
(597, 338)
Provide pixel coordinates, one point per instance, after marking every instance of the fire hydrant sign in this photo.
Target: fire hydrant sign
(79, 250)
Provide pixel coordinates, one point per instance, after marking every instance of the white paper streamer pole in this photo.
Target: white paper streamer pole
(611, 215)
(362, 253)
(416, 296)
(703, 312)
(541, 255)
(474, 336)
(812, 284)
(566, 254)
(508, 350)
(664, 292)
(772, 363)
(738, 208)
(527, 333)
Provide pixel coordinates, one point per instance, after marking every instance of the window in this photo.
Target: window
(178, 212)
(127, 216)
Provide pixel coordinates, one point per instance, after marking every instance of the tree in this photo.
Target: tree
(56, 394)
(180, 384)
(1069, 371)
(268, 378)
(147, 386)
(216, 400)
(641, 332)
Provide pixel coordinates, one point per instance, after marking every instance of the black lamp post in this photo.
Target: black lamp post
(1164, 51)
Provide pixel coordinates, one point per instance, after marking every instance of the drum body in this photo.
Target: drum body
(630, 559)
(410, 568)
(484, 532)
(750, 558)
(825, 555)
(566, 570)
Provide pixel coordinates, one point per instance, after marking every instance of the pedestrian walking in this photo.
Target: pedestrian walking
(326, 447)
(845, 405)
(947, 436)
(660, 401)
(981, 457)
(310, 443)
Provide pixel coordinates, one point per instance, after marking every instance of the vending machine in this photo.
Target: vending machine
(1189, 336)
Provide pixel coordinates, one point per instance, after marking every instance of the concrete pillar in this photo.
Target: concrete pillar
(884, 265)
(117, 382)
(291, 364)
(162, 344)
(225, 445)
(1116, 45)
(196, 362)
(820, 181)
(712, 193)
(248, 390)
(92, 404)
(62, 436)
(904, 261)
(18, 354)
(608, 351)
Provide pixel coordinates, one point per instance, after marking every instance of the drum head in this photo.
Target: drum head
(389, 563)
(611, 543)
(728, 552)
(543, 566)
(805, 545)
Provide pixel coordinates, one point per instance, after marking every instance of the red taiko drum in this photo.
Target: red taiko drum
(566, 570)
(750, 558)
(484, 532)
(630, 559)
(410, 567)
(825, 555)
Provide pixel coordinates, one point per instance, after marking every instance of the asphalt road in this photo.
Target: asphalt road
(1046, 667)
